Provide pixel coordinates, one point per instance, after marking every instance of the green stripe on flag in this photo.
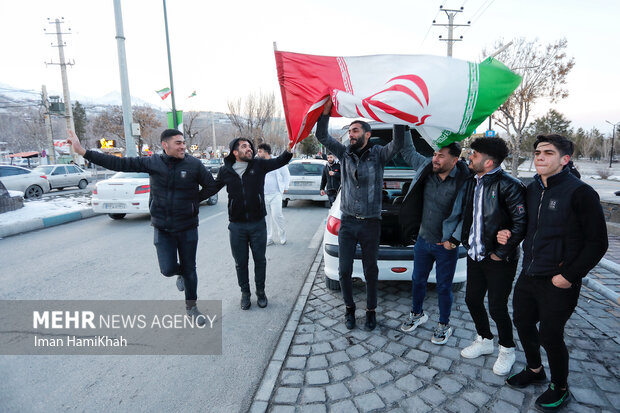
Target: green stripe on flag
(491, 83)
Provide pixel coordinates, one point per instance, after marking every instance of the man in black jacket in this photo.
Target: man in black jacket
(330, 181)
(493, 200)
(175, 181)
(244, 177)
(566, 237)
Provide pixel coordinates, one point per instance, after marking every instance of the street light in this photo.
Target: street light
(613, 137)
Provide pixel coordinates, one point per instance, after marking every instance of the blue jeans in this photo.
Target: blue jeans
(425, 255)
(366, 232)
(181, 245)
(252, 235)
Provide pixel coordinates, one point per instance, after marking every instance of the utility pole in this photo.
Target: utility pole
(48, 125)
(213, 128)
(130, 146)
(451, 13)
(63, 72)
(175, 121)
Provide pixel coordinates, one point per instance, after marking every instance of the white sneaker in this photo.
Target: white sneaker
(479, 347)
(505, 360)
(282, 240)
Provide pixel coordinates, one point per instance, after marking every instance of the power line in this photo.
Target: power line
(451, 13)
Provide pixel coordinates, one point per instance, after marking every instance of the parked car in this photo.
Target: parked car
(305, 181)
(126, 193)
(62, 176)
(395, 260)
(213, 164)
(16, 178)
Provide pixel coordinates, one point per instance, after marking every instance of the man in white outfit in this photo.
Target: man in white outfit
(275, 184)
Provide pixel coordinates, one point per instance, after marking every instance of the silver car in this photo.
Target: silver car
(62, 176)
(31, 184)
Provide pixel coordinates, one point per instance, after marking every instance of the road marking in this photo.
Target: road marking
(318, 235)
(212, 216)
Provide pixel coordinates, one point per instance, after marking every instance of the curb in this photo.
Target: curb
(39, 223)
(268, 382)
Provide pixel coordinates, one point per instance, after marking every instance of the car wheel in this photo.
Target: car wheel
(456, 287)
(212, 200)
(83, 184)
(33, 191)
(284, 203)
(333, 285)
(117, 216)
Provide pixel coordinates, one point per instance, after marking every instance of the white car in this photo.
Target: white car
(395, 261)
(26, 181)
(305, 181)
(62, 176)
(126, 193)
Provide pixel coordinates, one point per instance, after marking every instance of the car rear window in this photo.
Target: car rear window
(44, 169)
(129, 175)
(305, 169)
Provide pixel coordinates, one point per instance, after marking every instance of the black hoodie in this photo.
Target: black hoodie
(246, 198)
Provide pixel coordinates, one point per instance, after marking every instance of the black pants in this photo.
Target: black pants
(538, 300)
(176, 253)
(252, 235)
(496, 277)
(331, 195)
(366, 232)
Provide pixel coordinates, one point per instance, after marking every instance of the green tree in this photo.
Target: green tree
(310, 145)
(79, 119)
(552, 122)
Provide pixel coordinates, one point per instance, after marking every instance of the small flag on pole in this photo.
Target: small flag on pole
(192, 95)
(163, 93)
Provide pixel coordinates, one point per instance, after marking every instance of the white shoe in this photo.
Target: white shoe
(282, 241)
(505, 360)
(479, 347)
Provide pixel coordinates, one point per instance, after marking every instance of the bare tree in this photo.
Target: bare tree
(249, 116)
(191, 129)
(544, 70)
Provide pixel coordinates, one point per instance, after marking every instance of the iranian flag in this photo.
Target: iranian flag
(163, 93)
(444, 99)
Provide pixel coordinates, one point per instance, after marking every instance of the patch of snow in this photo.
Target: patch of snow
(45, 208)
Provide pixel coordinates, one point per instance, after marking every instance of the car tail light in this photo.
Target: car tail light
(95, 191)
(399, 270)
(333, 225)
(43, 176)
(143, 189)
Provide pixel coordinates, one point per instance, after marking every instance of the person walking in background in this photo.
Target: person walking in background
(330, 180)
(275, 183)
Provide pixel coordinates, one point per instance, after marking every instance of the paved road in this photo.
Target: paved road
(100, 258)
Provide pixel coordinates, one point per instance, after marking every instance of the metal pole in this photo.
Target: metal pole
(48, 125)
(65, 81)
(613, 137)
(130, 146)
(450, 31)
(213, 128)
(174, 109)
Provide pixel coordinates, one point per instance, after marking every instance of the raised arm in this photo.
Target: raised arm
(322, 134)
(134, 164)
(410, 155)
(392, 148)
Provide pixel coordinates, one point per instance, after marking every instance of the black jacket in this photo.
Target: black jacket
(174, 195)
(246, 194)
(331, 183)
(503, 207)
(566, 231)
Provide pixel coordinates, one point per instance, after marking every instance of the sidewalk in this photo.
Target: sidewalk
(329, 368)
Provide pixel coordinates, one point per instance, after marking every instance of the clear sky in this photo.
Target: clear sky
(224, 49)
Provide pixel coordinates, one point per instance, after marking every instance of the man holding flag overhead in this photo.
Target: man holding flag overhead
(360, 203)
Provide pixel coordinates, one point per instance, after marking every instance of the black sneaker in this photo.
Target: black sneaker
(245, 301)
(349, 318)
(525, 378)
(197, 315)
(552, 399)
(371, 320)
(261, 299)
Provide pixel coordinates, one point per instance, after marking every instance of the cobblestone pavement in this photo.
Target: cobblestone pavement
(329, 368)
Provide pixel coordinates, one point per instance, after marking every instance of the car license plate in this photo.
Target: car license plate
(113, 206)
(302, 183)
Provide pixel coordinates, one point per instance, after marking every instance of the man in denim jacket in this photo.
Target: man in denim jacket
(360, 203)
